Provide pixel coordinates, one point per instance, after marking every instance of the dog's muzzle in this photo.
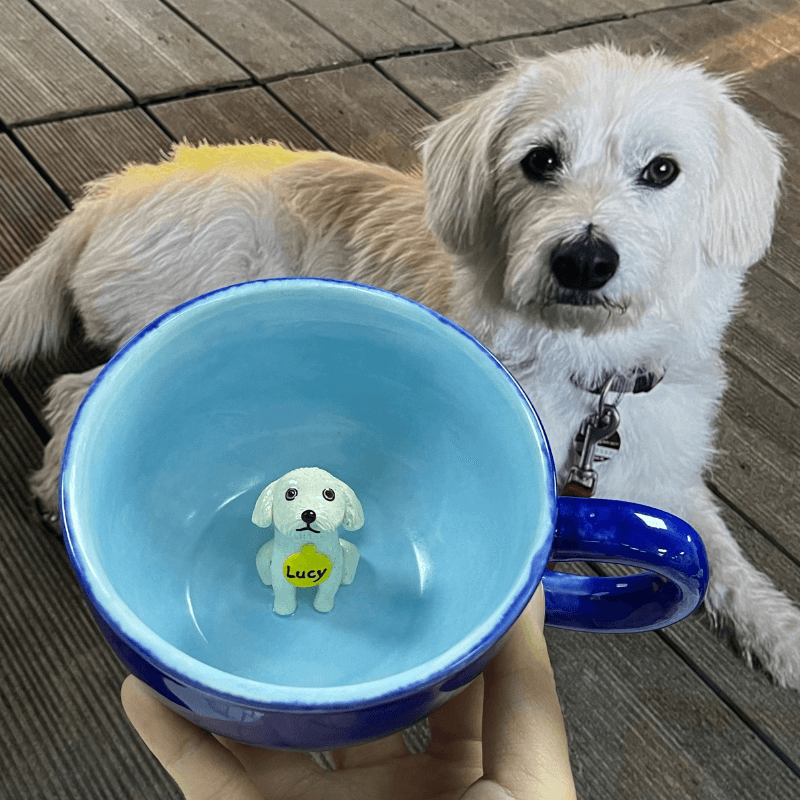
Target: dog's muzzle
(580, 266)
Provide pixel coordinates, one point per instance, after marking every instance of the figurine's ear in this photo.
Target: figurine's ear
(353, 513)
(262, 513)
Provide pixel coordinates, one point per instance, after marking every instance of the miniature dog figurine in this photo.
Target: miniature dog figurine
(307, 506)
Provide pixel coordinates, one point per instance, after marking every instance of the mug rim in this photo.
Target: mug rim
(189, 671)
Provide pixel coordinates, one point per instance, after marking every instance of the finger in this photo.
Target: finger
(199, 764)
(461, 718)
(277, 772)
(525, 743)
(456, 727)
(363, 755)
(537, 605)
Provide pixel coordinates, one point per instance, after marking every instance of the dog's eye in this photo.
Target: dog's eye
(291, 494)
(540, 164)
(328, 494)
(660, 172)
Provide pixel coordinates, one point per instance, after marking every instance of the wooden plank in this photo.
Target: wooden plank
(358, 112)
(759, 39)
(441, 81)
(630, 7)
(777, 6)
(777, 120)
(788, 220)
(578, 12)
(778, 20)
(75, 151)
(641, 724)
(43, 75)
(757, 44)
(271, 38)
(780, 84)
(375, 30)
(695, 29)
(784, 256)
(632, 35)
(764, 45)
(759, 469)
(64, 733)
(766, 334)
(473, 21)
(241, 115)
(145, 45)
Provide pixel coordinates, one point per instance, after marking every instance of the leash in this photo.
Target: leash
(598, 439)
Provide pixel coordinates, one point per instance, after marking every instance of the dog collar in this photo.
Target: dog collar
(635, 382)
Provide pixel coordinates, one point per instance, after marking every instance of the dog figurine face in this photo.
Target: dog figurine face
(307, 506)
(308, 500)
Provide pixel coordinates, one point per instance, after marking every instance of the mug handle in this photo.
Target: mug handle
(624, 533)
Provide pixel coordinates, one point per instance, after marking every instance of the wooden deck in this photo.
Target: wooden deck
(88, 85)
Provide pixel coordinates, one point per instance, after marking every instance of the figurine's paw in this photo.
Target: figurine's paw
(284, 609)
(348, 577)
(323, 604)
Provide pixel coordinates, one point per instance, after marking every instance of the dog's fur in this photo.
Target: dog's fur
(476, 239)
(293, 530)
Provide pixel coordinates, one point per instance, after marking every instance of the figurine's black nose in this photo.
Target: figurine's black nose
(308, 516)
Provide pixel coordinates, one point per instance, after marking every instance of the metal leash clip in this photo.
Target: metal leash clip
(596, 441)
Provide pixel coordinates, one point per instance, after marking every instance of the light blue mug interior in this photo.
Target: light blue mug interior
(208, 405)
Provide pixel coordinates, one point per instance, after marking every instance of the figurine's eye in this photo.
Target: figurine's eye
(328, 494)
(291, 494)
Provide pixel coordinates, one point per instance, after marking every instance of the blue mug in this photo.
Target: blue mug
(195, 415)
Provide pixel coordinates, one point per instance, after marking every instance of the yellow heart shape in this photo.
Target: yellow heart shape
(307, 568)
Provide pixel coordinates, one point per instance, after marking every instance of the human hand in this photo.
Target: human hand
(502, 738)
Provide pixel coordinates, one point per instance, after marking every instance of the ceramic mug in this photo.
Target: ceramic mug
(198, 412)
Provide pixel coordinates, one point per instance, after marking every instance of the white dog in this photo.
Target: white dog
(307, 506)
(591, 217)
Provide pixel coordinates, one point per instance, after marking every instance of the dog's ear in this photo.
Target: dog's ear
(737, 219)
(262, 513)
(353, 513)
(458, 170)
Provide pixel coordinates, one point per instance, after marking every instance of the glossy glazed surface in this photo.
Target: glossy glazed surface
(669, 549)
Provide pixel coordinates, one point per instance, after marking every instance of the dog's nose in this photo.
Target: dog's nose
(585, 263)
(308, 516)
